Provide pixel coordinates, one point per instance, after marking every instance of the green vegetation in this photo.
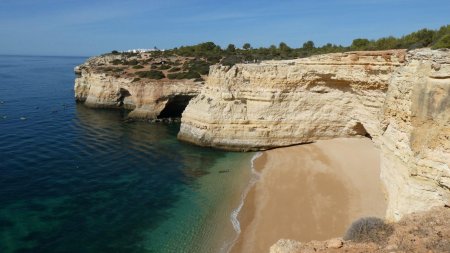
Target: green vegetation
(152, 74)
(184, 75)
(164, 66)
(246, 46)
(132, 62)
(231, 55)
(116, 62)
(175, 69)
(443, 42)
(193, 62)
(201, 67)
(369, 229)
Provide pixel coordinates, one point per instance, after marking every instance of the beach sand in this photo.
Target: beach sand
(311, 192)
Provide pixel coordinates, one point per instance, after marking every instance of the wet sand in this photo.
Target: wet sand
(311, 192)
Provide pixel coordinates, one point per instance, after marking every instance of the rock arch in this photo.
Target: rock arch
(175, 106)
(124, 99)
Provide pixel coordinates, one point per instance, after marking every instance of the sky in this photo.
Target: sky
(92, 27)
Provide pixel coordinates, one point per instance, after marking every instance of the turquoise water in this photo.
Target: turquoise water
(74, 179)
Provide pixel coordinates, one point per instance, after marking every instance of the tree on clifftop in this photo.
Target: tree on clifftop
(309, 45)
(360, 44)
(246, 46)
(231, 48)
(285, 50)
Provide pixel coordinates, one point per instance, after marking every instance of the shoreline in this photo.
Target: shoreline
(254, 177)
(309, 192)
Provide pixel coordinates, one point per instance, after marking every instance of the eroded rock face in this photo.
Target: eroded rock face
(280, 103)
(146, 98)
(415, 144)
(400, 99)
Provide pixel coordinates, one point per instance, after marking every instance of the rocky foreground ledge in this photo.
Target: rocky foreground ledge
(420, 232)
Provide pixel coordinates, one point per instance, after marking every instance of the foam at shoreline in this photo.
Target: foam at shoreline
(255, 175)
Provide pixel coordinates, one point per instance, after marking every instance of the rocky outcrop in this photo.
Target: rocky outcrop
(399, 99)
(145, 98)
(280, 103)
(420, 232)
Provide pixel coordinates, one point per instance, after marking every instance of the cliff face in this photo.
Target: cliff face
(146, 98)
(399, 99)
(279, 103)
(415, 144)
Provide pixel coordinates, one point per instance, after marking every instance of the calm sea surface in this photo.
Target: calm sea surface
(74, 179)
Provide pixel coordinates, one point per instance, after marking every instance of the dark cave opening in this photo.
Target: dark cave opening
(361, 130)
(175, 106)
(122, 94)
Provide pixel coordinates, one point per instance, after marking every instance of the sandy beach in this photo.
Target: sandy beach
(311, 192)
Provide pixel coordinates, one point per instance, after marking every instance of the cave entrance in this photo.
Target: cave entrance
(361, 130)
(175, 106)
(122, 95)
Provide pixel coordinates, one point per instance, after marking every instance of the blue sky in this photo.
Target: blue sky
(90, 27)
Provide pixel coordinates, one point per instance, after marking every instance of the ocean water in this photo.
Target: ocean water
(73, 179)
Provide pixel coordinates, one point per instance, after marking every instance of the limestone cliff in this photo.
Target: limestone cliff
(415, 144)
(400, 99)
(147, 98)
(279, 103)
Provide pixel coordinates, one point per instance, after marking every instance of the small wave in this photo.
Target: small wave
(234, 214)
(256, 156)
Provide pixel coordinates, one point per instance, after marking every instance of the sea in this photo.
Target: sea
(74, 179)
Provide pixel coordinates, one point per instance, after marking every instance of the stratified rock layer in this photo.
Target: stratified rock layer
(280, 103)
(415, 144)
(399, 99)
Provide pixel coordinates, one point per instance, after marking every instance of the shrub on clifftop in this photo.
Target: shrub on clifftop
(184, 75)
(116, 62)
(152, 74)
(369, 229)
